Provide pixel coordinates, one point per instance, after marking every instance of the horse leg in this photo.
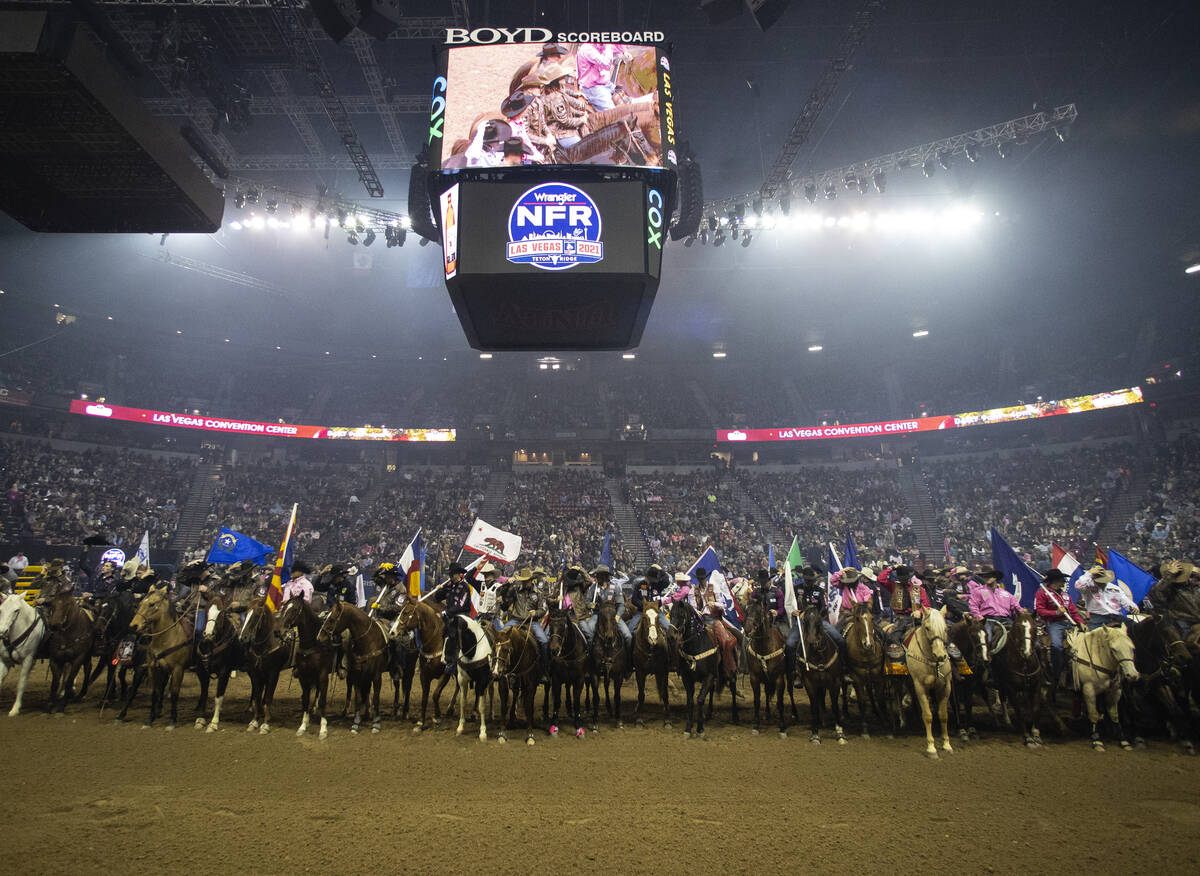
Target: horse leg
(375, 716)
(202, 705)
(528, 695)
(927, 717)
(256, 681)
(816, 702)
(733, 698)
(425, 682)
(943, 708)
(1089, 700)
(1113, 699)
(322, 694)
(576, 712)
(218, 700)
(176, 685)
(462, 704)
(272, 682)
(689, 687)
(837, 703)
(756, 686)
(482, 688)
(55, 674)
(22, 679)
(640, 677)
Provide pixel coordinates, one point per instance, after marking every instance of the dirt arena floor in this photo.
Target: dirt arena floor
(83, 794)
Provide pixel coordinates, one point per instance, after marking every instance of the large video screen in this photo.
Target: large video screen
(604, 104)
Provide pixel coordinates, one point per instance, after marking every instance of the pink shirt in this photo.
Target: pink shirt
(985, 602)
(595, 63)
(298, 587)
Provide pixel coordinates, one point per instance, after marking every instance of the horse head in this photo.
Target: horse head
(606, 641)
(557, 630)
(332, 625)
(502, 654)
(978, 651)
(756, 618)
(683, 616)
(1022, 635)
(152, 612)
(862, 624)
(10, 607)
(256, 629)
(650, 612)
(1174, 647)
(1121, 647)
(933, 623)
(62, 611)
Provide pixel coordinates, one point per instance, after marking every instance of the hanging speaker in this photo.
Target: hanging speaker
(337, 17)
(379, 17)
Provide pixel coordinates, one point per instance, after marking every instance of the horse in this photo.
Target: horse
(1100, 660)
(699, 661)
(265, 657)
(767, 663)
(366, 659)
(516, 668)
(1162, 659)
(970, 637)
(68, 646)
(22, 629)
(424, 623)
(607, 662)
(568, 656)
(167, 636)
(113, 614)
(651, 655)
(473, 670)
(822, 672)
(218, 653)
(312, 663)
(929, 668)
(1022, 676)
(864, 652)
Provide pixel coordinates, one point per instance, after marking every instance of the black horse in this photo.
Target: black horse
(218, 653)
(607, 662)
(568, 656)
(113, 614)
(1162, 659)
(699, 661)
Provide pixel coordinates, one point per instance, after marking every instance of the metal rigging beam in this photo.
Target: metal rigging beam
(304, 49)
(969, 145)
(355, 104)
(361, 44)
(819, 97)
(291, 107)
(274, 161)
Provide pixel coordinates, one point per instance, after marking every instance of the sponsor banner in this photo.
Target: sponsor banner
(449, 205)
(1011, 414)
(252, 427)
(14, 397)
(554, 226)
(489, 36)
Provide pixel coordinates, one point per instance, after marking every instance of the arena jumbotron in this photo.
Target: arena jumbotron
(425, 394)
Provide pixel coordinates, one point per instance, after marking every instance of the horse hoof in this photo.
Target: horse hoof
(417, 729)
(1125, 746)
(502, 739)
(667, 725)
(1188, 748)
(974, 733)
(783, 734)
(323, 734)
(264, 729)
(211, 728)
(946, 748)
(841, 740)
(754, 732)
(252, 726)
(580, 733)
(146, 726)
(864, 735)
(641, 723)
(687, 734)
(374, 729)
(620, 725)
(815, 740)
(301, 731)
(554, 730)
(170, 727)
(1141, 745)
(529, 741)
(932, 755)
(199, 723)
(1097, 746)
(354, 730)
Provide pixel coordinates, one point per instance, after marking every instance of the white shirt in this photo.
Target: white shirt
(18, 563)
(1103, 599)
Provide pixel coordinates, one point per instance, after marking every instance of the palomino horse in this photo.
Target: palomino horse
(21, 631)
(68, 646)
(568, 656)
(929, 668)
(516, 668)
(425, 624)
(651, 655)
(699, 661)
(1162, 660)
(767, 664)
(1101, 659)
(265, 657)
(366, 660)
(970, 637)
(822, 672)
(474, 671)
(864, 651)
(607, 663)
(1023, 677)
(312, 663)
(167, 636)
(218, 653)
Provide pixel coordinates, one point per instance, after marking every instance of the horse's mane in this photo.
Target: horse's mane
(937, 623)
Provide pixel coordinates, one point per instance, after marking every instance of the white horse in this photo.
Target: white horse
(21, 632)
(474, 671)
(929, 669)
(1100, 659)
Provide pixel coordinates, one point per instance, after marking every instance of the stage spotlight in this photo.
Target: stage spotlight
(972, 152)
(252, 196)
(352, 238)
(719, 238)
(370, 238)
(757, 205)
(712, 223)
(850, 181)
(1004, 148)
(830, 192)
(1062, 134)
(272, 206)
(927, 168)
(810, 192)
(879, 180)
(785, 205)
(688, 241)
(239, 200)
(944, 160)
(747, 238)
(704, 237)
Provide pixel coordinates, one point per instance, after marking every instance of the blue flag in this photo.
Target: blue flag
(231, 547)
(770, 556)
(1019, 579)
(831, 559)
(606, 551)
(1135, 580)
(712, 564)
(851, 560)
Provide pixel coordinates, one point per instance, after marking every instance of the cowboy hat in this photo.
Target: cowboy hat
(682, 578)
(869, 573)
(1102, 575)
(524, 574)
(601, 570)
(1054, 575)
(850, 576)
(457, 569)
(487, 569)
(515, 104)
(762, 575)
(903, 572)
(991, 575)
(960, 570)
(539, 572)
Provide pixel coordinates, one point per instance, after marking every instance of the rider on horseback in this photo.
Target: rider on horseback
(812, 594)
(1177, 593)
(1059, 613)
(1103, 599)
(649, 589)
(993, 604)
(604, 590)
(299, 585)
(456, 595)
(523, 603)
(712, 608)
(908, 599)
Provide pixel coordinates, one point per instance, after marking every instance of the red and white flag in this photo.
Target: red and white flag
(491, 541)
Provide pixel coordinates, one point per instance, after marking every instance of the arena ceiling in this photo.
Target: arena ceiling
(1082, 243)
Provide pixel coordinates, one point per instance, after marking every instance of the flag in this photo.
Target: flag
(143, 551)
(770, 556)
(1101, 559)
(1022, 581)
(946, 550)
(710, 561)
(360, 593)
(493, 542)
(851, 554)
(832, 563)
(789, 590)
(1068, 565)
(1134, 580)
(411, 564)
(606, 551)
(232, 547)
(795, 559)
(283, 564)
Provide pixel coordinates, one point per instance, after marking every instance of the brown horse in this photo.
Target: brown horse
(652, 656)
(970, 637)
(425, 623)
(167, 636)
(516, 668)
(864, 650)
(699, 661)
(1022, 676)
(568, 659)
(71, 630)
(265, 658)
(822, 672)
(366, 660)
(312, 663)
(607, 662)
(218, 654)
(767, 663)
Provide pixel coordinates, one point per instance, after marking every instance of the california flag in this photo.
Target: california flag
(493, 542)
